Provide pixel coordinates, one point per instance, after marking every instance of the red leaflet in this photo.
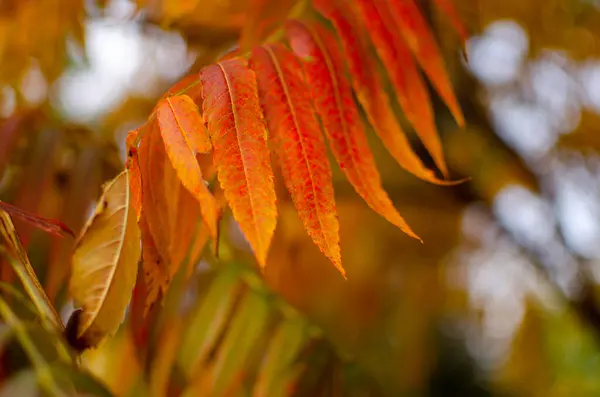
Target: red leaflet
(419, 38)
(406, 79)
(448, 8)
(299, 144)
(240, 151)
(183, 133)
(48, 225)
(333, 99)
(369, 89)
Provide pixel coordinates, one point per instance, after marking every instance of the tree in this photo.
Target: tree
(227, 254)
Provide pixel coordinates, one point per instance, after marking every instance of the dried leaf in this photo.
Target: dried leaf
(48, 225)
(420, 40)
(370, 91)
(241, 156)
(105, 263)
(334, 102)
(181, 127)
(299, 144)
(135, 179)
(405, 77)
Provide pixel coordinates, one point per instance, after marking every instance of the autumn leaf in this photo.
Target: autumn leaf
(420, 40)
(241, 156)
(183, 133)
(333, 99)
(105, 263)
(405, 77)
(48, 225)
(170, 217)
(370, 91)
(447, 7)
(299, 144)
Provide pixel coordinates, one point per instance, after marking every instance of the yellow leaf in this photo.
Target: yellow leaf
(105, 263)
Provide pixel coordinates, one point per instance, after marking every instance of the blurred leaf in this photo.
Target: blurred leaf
(207, 320)
(243, 332)
(105, 263)
(25, 272)
(277, 371)
(48, 225)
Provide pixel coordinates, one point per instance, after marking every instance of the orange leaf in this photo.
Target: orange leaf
(420, 40)
(153, 222)
(172, 216)
(333, 99)
(179, 120)
(48, 225)
(241, 155)
(299, 144)
(448, 8)
(370, 91)
(406, 79)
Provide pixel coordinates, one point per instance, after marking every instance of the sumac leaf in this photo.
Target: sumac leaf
(240, 152)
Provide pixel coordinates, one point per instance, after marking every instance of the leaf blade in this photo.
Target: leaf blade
(333, 99)
(299, 145)
(241, 156)
(370, 91)
(105, 262)
(181, 127)
(420, 40)
(405, 77)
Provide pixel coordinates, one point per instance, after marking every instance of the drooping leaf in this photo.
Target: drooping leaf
(299, 144)
(447, 7)
(333, 99)
(170, 216)
(105, 263)
(19, 261)
(180, 114)
(370, 91)
(241, 156)
(420, 40)
(183, 134)
(48, 225)
(405, 77)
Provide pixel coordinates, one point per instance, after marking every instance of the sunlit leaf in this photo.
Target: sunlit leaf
(299, 144)
(370, 91)
(405, 77)
(420, 40)
(241, 156)
(105, 263)
(183, 133)
(333, 99)
(264, 16)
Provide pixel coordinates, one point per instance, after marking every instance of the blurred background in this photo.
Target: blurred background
(502, 299)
